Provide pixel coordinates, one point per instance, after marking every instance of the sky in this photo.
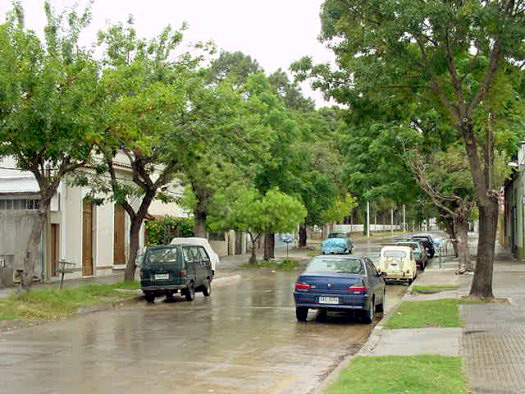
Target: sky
(274, 32)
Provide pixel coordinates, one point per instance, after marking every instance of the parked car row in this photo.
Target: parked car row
(400, 262)
(340, 282)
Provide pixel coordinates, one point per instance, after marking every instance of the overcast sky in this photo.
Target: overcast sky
(274, 32)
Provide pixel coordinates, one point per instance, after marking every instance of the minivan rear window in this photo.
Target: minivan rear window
(166, 255)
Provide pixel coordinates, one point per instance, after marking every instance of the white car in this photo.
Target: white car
(214, 257)
(398, 263)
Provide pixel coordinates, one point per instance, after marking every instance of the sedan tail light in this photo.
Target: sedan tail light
(182, 274)
(302, 287)
(358, 288)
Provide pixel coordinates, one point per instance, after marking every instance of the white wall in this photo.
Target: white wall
(104, 235)
(71, 228)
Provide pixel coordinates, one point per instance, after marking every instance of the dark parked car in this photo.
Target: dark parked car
(340, 283)
(168, 269)
(427, 242)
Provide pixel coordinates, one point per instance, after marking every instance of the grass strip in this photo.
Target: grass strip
(422, 314)
(433, 289)
(401, 374)
(45, 304)
(285, 265)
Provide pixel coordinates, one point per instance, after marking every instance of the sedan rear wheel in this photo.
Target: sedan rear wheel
(381, 307)
(301, 313)
(368, 316)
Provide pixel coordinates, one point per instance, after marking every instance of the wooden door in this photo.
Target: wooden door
(119, 230)
(87, 238)
(55, 247)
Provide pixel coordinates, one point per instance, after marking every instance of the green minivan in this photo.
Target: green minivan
(168, 269)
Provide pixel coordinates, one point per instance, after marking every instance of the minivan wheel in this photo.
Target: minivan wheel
(190, 292)
(149, 297)
(368, 315)
(207, 288)
(301, 313)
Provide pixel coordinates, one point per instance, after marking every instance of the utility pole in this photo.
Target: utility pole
(404, 222)
(368, 218)
(392, 222)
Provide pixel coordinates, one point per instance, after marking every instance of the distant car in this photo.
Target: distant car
(439, 245)
(418, 250)
(337, 243)
(427, 241)
(398, 263)
(168, 269)
(214, 257)
(340, 283)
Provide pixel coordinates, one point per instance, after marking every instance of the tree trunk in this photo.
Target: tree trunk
(31, 256)
(449, 229)
(269, 246)
(134, 232)
(134, 243)
(302, 236)
(253, 257)
(461, 229)
(199, 228)
(488, 220)
(200, 213)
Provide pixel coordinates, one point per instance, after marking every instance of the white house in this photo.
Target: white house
(95, 238)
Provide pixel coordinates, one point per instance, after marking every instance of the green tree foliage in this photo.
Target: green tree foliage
(236, 138)
(233, 65)
(148, 97)
(161, 231)
(341, 209)
(461, 58)
(49, 106)
(245, 209)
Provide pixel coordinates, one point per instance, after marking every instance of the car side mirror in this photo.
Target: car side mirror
(383, 273)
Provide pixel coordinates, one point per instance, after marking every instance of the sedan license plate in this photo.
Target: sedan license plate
(328, 300)
(162, 276)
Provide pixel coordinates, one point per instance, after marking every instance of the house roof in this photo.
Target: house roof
(20, 183)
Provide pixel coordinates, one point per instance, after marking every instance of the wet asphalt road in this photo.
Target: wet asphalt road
(244, 338)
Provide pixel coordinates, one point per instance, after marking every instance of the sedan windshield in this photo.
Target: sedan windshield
(347, 266)
(337, 235)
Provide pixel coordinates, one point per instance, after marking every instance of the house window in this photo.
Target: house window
(19, 204)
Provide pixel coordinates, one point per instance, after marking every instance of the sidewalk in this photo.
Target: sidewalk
(227, 270)
(492, 339)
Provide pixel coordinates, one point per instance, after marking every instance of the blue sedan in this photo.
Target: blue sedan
(340, 283)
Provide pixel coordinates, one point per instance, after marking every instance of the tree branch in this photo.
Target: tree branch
(487, 81)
